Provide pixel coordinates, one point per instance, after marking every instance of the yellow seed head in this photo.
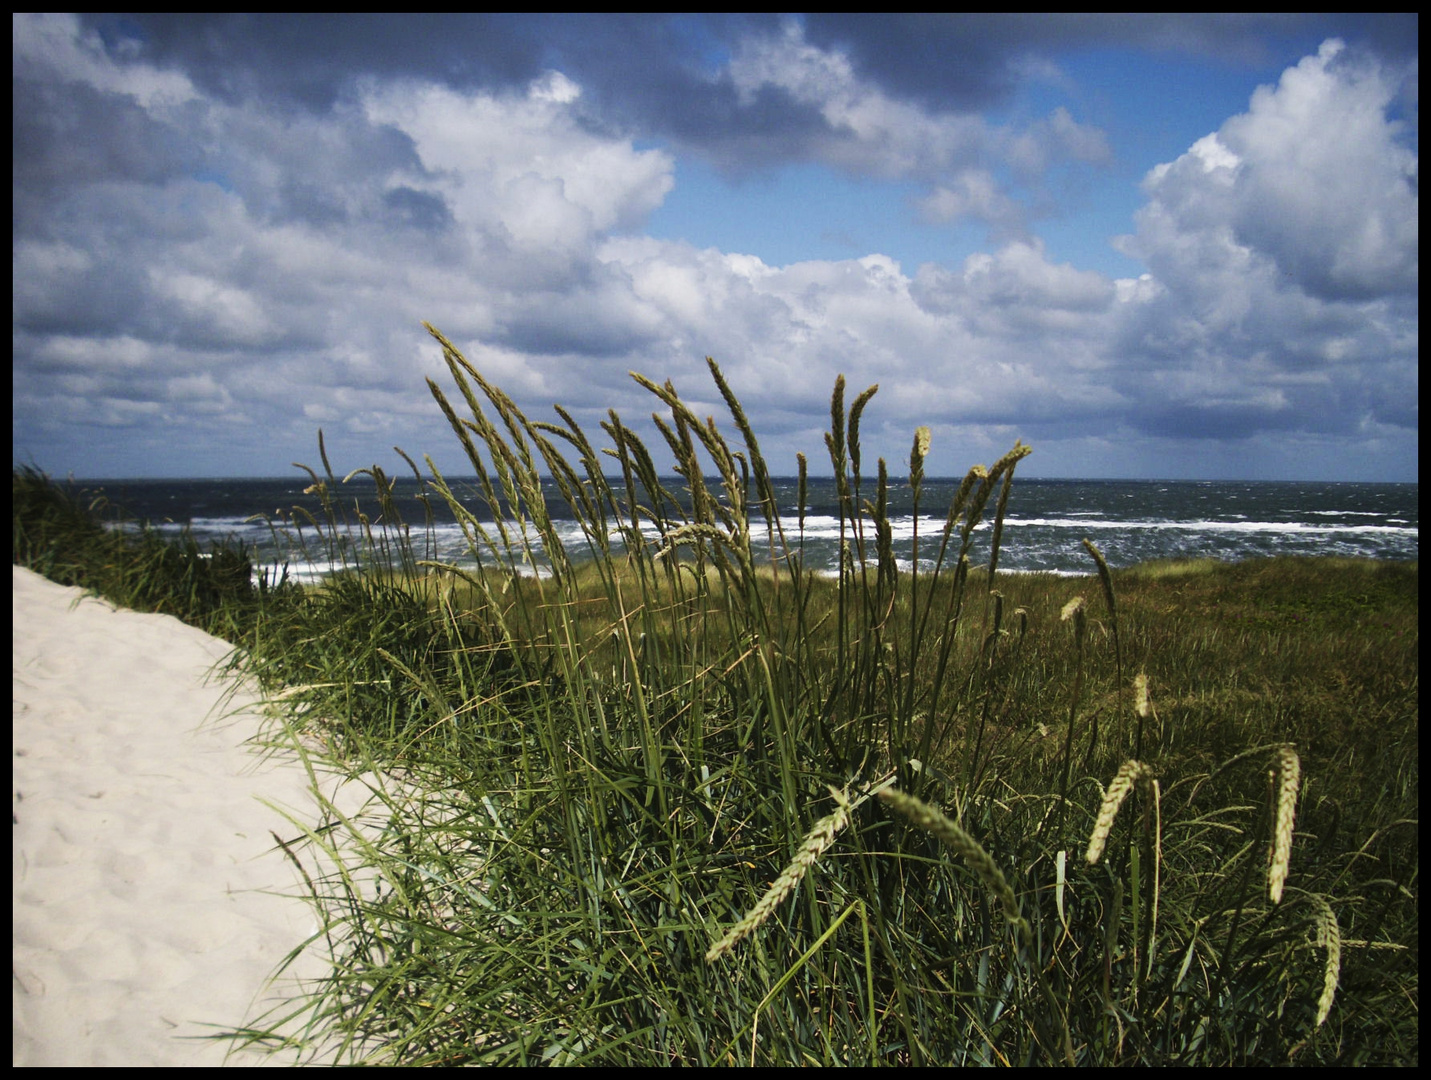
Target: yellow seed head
(1290, 769)
(1140, 695)
(811, 848)
(1329, 936)
(931, 820)
(922, 440)
(1128, 775)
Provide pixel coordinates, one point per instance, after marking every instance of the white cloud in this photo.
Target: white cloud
(523, 167)
(1283, 257)
(1212, 155)
(214, 307)
(1033, 150)
(967, 352)
(1020, 274)
(201, 390)
(974, 193)
(870, 132)
(1312, 178)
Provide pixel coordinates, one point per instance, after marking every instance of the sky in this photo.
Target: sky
(1163, 247)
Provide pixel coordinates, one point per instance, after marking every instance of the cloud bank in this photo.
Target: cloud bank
(212, 258)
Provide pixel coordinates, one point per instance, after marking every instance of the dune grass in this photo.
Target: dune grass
(667, 804)
(75, 537)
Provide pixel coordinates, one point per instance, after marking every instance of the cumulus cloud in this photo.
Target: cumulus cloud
(520, 166)
(1312, 177)
(974, 193)
(1284, 247)
(281, 265)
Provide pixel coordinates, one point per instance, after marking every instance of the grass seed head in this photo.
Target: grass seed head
(1329, 936)
(933, 821)
(816, 842)
(922, 439)
(1073, 612)
(917, 454)
(1131, 773)
(1289, 768)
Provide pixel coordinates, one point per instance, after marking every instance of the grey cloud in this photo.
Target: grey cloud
(1016, 276)
(660, 73)
(668, 77)
(63, 135)
(972, 61)
(1213, 422)
(261, 280)
(418, 209)
(657, 74)
(312, 60)
(582, 324)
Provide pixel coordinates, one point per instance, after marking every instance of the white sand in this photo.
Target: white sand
(141, 850)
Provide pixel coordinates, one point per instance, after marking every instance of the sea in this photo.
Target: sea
(1130, 521)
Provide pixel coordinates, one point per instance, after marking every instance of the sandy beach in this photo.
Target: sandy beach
(144, 869)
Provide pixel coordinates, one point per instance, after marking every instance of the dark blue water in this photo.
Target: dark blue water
(1130, 521)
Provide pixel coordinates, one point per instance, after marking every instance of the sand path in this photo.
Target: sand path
(142, 853)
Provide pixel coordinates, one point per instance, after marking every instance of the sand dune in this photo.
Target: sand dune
(143, 865)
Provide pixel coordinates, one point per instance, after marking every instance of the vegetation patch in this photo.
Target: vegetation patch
(665, 803)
